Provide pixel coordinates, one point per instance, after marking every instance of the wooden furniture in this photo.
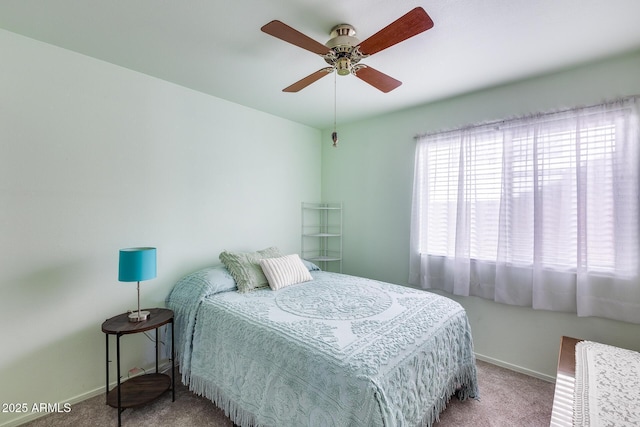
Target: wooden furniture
(144, 388)
(562, 412)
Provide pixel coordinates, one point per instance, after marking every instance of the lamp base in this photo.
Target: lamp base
(136, 316)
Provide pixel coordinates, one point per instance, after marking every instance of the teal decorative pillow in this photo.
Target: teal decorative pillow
(245, 267)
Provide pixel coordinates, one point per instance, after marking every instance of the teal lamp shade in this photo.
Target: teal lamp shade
(136, 265)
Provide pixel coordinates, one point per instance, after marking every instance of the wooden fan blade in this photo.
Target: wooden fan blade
(407, 26)
(377, 79)
(301, 84)
(284, 32)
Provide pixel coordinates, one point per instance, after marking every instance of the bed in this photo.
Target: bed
(337, 350)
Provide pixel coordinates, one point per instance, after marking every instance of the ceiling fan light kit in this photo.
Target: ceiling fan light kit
(343, 52)
(343, 66)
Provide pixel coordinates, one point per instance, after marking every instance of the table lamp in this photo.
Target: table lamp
(137, 264)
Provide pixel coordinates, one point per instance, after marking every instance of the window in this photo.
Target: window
(531, 208)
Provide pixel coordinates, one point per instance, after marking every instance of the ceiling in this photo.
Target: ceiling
(216, 46)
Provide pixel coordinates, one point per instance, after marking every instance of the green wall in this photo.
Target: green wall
(94, 158)
(372, 173)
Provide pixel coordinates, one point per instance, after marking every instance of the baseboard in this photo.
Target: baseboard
(516, 368)
(164, 367)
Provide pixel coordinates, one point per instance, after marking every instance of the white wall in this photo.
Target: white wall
(372, 173)
(94, 158)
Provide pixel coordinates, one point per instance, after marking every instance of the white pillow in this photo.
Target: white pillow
(284, 271)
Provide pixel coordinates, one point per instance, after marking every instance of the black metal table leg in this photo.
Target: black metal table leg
(119, 391)
(173, 367)
(106, 394)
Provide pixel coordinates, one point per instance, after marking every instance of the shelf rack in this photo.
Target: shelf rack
(322, 234)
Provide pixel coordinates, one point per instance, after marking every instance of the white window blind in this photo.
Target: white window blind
(550, 199)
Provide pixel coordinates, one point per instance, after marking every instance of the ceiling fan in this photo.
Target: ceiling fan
(343, 52)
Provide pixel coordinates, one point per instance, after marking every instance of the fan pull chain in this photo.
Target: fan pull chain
(334, 135)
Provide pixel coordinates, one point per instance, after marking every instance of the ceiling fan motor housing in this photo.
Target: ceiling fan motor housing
(342, 44)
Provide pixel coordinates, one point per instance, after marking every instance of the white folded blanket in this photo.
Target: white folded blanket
(607, 387)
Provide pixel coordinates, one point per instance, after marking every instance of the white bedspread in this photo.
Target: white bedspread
(607, 388)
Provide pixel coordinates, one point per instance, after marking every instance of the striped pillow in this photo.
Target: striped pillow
(284, 271)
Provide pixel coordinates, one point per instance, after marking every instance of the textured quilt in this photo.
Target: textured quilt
(335, 351)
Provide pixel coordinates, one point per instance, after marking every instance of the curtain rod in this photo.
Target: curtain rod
(503, 122)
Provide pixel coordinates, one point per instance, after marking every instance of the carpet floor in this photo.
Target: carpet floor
(507, 398)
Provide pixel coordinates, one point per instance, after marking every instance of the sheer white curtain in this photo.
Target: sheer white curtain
(539, 211)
